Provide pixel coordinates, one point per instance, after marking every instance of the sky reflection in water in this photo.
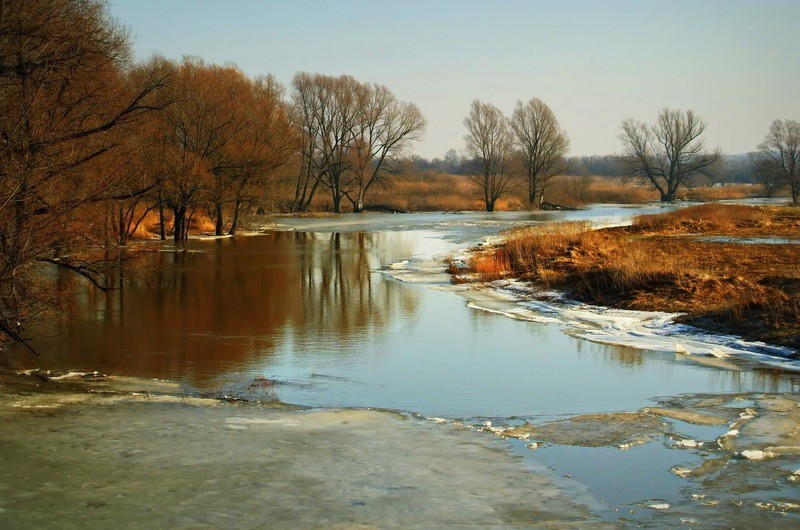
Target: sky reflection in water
(310, 309)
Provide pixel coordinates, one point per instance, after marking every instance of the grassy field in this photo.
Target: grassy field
(660, 263)
(432, 191)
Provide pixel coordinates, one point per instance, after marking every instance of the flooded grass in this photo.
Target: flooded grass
(752, 293)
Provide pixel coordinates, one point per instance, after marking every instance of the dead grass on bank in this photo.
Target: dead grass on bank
(740, 219)
(752, 290)
(431, 191)
(578, 191)
(721, 193)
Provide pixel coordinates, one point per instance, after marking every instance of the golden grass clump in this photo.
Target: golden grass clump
(490, 266)
(577, 191)
(731, 191)
(658, 264)
(706, 217)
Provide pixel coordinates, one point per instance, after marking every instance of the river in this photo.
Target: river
(308, 306)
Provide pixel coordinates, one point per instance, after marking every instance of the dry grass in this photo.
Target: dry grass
(578, 191)
(431, 191)
(491, 265)
(752, 290)
(733, 191)
(149, 228)
(724, 218)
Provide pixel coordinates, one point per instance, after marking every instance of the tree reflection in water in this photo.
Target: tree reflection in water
(215, 306)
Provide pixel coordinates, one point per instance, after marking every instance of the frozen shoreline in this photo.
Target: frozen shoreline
(643, 330)
(93, 451)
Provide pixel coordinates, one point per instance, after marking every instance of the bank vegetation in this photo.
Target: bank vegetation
(720, 265)
(98, 150)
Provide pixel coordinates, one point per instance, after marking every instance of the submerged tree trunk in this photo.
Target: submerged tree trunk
(219, 225)
(162, 225)
(179, 223)
(235, 221)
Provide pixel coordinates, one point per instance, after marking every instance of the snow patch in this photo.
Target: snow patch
(646, 330)
(756, 454)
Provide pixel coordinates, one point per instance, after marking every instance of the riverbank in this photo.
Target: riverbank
(95, 451)
(89, 450)
(729, 269)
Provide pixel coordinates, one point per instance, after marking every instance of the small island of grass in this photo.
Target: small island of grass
(727, 268)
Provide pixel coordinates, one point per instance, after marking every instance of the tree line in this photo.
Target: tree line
(528, 149)
(93, 143)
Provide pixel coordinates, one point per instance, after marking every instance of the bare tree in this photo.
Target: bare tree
(386, 127)
(780, 152)
(668, 155)
(65, 102)
(266, 144)
(543, 145)
(209, 114)
(452, 161)
(766, 174)
(490, 142)
(325, 111)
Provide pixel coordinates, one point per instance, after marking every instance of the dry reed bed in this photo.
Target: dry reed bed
(753, 290)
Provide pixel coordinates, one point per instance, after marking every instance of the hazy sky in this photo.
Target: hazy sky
(594, 62)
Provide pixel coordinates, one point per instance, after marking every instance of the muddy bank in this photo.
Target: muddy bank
(91, 455)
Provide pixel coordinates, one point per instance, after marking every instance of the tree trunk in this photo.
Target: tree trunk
(218, 227)
(490, 206)
(162, 225)
(535, 200)
(235, 221)
(358, 205)
(123, 232)
(179, 224)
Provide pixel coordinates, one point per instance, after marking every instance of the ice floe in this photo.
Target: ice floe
(637, 329)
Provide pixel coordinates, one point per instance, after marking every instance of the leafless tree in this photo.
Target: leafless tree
(780, 152)
(266, 144)
(386, 127)
(542, 144)
(668, 155)
(766, 174)
(490, 142)
(65, 101)
(208, 116)
(326, 114)
(352, 135)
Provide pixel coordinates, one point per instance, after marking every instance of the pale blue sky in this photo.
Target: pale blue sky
(595, 63)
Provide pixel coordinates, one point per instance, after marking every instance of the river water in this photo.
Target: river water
(307, 304)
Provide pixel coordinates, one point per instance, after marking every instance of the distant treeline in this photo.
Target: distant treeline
(730, 169)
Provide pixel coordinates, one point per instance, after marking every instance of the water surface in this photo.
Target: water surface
(309, 307)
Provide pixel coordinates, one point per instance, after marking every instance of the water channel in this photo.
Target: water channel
(307, 304)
